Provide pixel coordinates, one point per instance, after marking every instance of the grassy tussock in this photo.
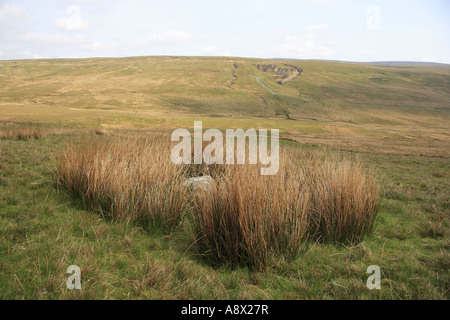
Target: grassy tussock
(343, 202)
(249, 218)
(24, 132)
(245, 218)
(125, 179)
(21, 133)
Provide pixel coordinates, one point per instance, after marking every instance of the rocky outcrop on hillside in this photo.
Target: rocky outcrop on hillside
(284, 73)
(232, 81)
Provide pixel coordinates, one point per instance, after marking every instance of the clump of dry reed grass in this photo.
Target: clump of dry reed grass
(344, 200)
(100, 131)
(249, 218)
(125, 179)
(29, 132)
(21, 133)
(244, 218)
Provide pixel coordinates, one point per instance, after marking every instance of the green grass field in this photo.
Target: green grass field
(395, 119)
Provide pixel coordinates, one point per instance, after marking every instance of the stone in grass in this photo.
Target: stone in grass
(200, 183)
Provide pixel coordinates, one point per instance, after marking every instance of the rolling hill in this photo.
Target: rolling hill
(352, 105)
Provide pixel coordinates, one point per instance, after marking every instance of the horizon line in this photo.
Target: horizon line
(392, 62)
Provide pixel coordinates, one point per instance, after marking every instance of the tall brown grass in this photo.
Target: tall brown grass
(244, 218)
(27, 132)
(21, 133)
(344, 201)
(249, 218)
(125, 179)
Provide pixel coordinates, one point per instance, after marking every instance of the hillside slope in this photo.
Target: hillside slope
(326, 102)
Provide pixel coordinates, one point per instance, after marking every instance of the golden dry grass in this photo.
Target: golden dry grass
(25, 132)
(344, 200)
(244, 218)
(125, 179)
(21, 133)
(248, 218)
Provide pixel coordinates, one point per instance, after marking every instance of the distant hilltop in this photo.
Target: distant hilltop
(406, 63)
(380, 63)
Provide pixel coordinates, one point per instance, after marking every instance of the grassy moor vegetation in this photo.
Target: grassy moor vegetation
(86, 179)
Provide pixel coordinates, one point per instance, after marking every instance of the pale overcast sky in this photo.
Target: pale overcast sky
(354, 30)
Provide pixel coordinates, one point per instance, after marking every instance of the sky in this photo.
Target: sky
(350, 30)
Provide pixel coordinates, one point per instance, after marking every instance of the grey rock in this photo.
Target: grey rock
(200, 183)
